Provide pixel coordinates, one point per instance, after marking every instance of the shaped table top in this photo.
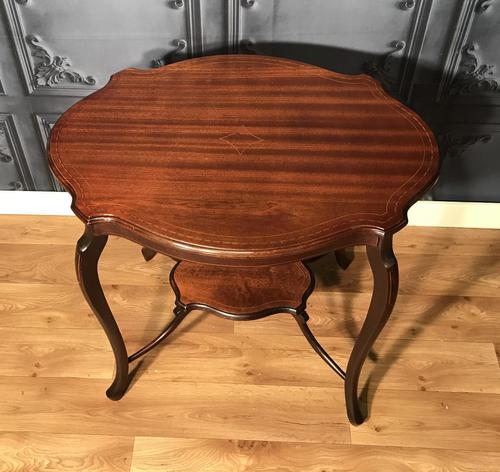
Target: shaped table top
(242, 159)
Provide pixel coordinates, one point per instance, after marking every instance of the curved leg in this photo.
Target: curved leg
(385, 287)
(148, 253)
(301, 319)
(88, 251)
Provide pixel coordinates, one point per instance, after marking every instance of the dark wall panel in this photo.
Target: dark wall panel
(439, 56)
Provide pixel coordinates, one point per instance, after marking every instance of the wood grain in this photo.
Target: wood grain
(24, 451)
(416, 316)
(248, 395)
(419, 273)
(256, 360)
(197, 410)
(33, 229)
(209, 166)
(242, 290)
(152, 454)
(137, 309)
(432, 419)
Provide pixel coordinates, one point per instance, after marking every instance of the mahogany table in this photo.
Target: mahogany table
(242, 168)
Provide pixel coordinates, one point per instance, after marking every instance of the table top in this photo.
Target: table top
(242, 159)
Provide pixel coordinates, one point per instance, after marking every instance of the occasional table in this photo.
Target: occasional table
(243, 168)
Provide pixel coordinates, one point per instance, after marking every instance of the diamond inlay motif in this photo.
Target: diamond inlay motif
(241, 140)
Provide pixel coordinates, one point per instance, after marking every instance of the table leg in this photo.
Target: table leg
(385, 287)
(88, 251)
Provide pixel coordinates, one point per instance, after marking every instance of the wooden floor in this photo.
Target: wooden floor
(248, 396)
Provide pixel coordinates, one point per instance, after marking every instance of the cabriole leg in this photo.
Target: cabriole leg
(385, 287)
(88, 251)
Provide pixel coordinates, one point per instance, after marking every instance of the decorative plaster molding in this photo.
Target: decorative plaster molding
(193, 45)
(48, 75)
(11, 153)
(5, 153)
(50, 70)
(407, 4)
(473, 78)
(462, 73)
(44, 123)
(233, 26)
(383, 68)
(405, 53)
(180, 46)
(454, 145)
(483, 5)
(247, 46)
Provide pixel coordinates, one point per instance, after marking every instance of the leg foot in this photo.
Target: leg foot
(88, 251)
(385, 286)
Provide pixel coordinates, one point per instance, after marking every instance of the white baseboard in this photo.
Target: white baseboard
(423, 213)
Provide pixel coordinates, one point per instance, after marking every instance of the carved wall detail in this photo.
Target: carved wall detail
(473, 77)
(43, 72)
(454, 145)
(192, 46)
(463, 73)
(44, 124)
(483, 5)
(180, 46)
(5, 153)
(383, 69)
(11, 153)
(396, 69)
(407, 4)
(50, 70)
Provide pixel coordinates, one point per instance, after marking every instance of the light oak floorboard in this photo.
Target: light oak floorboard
(220, 395)
(137, 309)
(36, 229)
(122, 263)
(431, 419)
(198, 455)
(415, 317)
(256, 360)
(197, 410)
(24, 451)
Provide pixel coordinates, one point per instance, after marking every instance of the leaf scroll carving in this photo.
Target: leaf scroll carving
(50, 70)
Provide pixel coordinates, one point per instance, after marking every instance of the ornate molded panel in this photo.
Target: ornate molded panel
(470, 71)
(14, 171)
(67, 48)
(454, 144)
(338, 35)
(44, 123)
(470, 167)
(473, 77)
